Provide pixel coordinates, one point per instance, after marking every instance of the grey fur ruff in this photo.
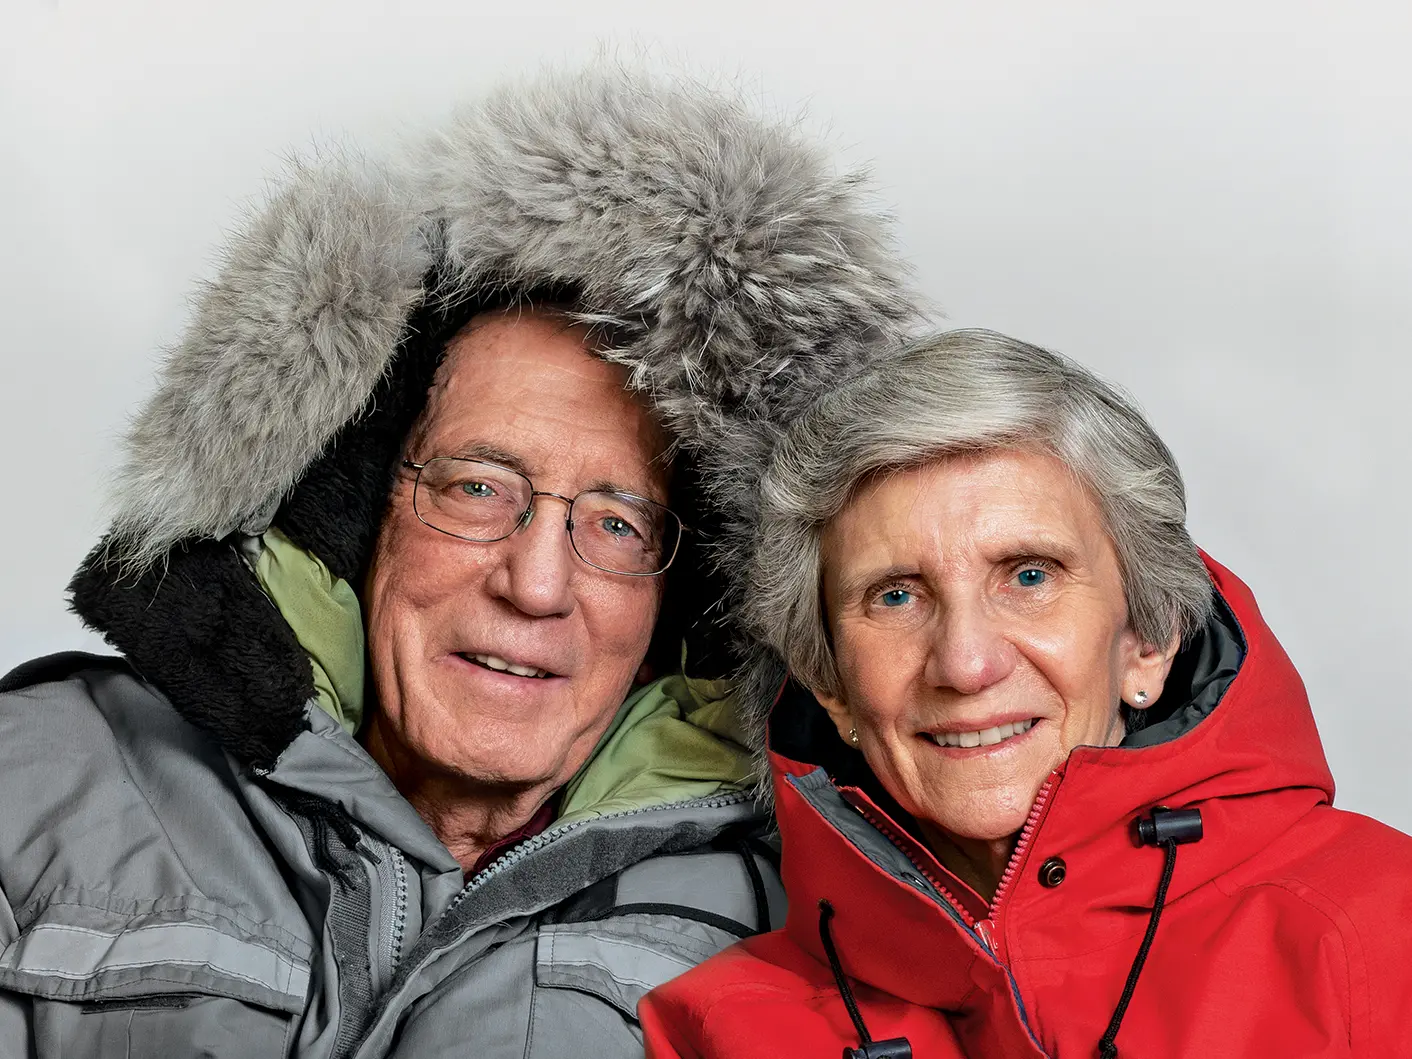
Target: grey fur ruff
(745, 272)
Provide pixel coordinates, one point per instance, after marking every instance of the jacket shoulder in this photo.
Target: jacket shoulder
(1353, 875)
(1357, 865)
(133, 802)
(49, 669)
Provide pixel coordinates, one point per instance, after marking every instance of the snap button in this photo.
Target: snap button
(1052, 872)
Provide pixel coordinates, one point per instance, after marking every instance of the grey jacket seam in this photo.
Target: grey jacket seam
(205, 989)
(202, 964)
(248, 928)
(618, 939)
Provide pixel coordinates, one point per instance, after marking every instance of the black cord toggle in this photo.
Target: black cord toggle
(1176, 825)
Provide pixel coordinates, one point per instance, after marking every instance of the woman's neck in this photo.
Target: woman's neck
(979, 863)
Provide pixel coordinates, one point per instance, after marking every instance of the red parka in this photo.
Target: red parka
(1285, 931)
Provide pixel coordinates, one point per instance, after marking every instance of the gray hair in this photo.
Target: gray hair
(968, 392)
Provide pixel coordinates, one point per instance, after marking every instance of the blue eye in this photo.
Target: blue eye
(1030, 577)
(477, 489)
(616, 527)
(895, 597)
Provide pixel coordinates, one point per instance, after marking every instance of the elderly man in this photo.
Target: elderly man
(399, 759)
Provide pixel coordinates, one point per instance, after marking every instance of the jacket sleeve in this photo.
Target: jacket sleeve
(665, 1034)
(16, 1009)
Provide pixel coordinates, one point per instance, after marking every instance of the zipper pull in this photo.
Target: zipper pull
(987, 935)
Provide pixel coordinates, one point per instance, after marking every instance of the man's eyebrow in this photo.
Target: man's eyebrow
(479, 450)
(605, 485)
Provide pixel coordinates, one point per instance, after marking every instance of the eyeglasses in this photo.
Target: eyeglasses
(619, 533)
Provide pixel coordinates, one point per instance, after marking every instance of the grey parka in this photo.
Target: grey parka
(159, 901)
(196, 856)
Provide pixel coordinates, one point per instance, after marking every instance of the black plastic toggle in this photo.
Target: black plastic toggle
(1177, 826)
(894, 1048)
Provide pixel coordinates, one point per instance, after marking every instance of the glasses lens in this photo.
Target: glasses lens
(624, 534)
(470, 499)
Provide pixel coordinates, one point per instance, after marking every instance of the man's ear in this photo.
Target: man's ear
(839, 713)
(1145, 675)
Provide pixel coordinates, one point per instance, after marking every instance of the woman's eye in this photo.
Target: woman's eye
(477, 489)
(895, 597)
(1031, 576)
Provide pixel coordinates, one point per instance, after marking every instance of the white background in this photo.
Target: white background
(1208, 204)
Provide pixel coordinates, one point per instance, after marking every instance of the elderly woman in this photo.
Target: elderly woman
(1053, 789)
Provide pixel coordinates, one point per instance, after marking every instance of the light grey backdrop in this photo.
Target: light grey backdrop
(1209, 205)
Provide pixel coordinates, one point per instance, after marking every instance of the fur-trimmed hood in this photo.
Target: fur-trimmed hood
(739, 270)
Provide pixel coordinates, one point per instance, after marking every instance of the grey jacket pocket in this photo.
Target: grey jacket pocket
(107, 975)
(619, 959)
(161, 1026)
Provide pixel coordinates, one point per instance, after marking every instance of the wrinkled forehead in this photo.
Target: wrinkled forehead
(527, 388)
(1012, 499)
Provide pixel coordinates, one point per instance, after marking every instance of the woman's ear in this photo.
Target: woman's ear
(1145, 672)
(840, 714)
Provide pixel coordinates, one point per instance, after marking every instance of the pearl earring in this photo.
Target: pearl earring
(853, 736)
(1140, 698)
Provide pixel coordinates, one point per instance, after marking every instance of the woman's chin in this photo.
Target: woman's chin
(994, 817)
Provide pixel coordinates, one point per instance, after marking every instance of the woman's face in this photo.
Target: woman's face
(981, 632)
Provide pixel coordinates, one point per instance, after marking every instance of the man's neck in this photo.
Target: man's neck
(468, 817)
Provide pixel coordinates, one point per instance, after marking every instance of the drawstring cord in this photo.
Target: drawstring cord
(895, 1048)
(757, 885)
(1166, 828)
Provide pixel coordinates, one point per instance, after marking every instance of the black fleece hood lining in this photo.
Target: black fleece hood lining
(1202, 672)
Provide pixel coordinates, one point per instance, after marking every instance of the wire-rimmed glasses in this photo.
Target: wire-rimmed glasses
(619, 533)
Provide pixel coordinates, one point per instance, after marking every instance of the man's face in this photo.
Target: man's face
(517, 389)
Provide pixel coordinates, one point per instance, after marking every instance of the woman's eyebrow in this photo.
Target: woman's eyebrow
(1041, 546)
(853, 585)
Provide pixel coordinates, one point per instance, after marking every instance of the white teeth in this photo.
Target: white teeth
(984, 737)
(492, 662)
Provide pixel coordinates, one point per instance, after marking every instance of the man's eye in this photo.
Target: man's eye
(1031, 576)
(895, 597)
(477, 489)
(616, 527)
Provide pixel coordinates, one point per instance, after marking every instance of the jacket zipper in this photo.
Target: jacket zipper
(983, 930)
(392, 878)
(989, 926)
(513, 856)
(936, 884)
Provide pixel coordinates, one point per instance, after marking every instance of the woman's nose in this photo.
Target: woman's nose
(969, 651)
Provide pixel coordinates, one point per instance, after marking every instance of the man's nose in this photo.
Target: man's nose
(969, 651)
(538, 562)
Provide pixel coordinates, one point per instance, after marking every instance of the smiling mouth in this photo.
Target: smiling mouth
(984, 737)
(500, 665)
